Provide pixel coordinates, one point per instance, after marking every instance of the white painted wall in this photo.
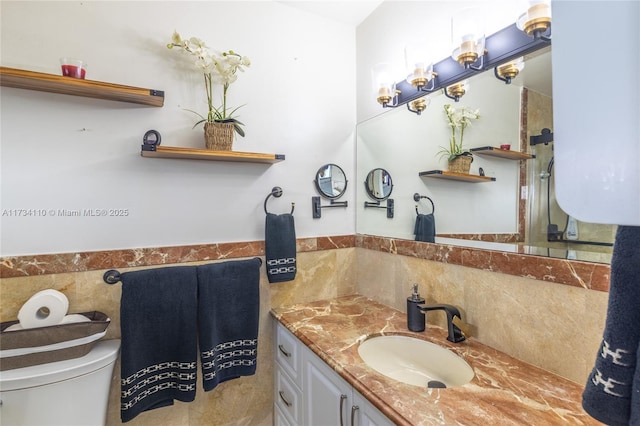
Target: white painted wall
(65, 152)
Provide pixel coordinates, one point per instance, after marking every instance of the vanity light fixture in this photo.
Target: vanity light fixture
(509, 71)
(468, 38)
(384, 86)
(418, 105)
(505, 50)
(419, 68)
(456, 91)
(536, 20)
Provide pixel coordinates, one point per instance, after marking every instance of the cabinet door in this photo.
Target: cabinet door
(288, 353)
(363, 413)
(279, 419)
(288, 397)
(327, 396)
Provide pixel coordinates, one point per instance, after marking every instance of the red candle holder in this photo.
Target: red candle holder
(74, 68)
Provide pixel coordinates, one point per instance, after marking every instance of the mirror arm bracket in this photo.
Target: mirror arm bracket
(376, 204)
(316, 206)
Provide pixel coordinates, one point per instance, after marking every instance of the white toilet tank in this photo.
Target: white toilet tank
(70, 392)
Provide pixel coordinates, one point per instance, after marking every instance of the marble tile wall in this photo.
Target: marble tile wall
(321, 274)
(548, 312)
(555, 327)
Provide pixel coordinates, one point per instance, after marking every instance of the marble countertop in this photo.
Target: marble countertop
(504, 391)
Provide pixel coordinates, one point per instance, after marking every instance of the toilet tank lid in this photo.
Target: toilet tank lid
(102, 354)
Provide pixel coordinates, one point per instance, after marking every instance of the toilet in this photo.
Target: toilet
(70, 392)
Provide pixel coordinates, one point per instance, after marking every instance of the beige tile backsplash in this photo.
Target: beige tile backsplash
(557, 327)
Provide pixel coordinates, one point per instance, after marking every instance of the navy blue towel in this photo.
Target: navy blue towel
(158, 324)
(612, 392)
(228, 315)
(280, 247)
(635, 394)
(425, 228)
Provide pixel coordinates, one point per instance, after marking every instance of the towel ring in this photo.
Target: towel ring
(417, 197)
(276, 191)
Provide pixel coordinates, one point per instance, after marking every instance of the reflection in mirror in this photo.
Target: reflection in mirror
(379, 184)
(331, 181)
(511, 214)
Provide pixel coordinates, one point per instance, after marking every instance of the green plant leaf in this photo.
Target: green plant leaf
(238, 129)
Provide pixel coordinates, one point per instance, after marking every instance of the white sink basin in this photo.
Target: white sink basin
(414, 361)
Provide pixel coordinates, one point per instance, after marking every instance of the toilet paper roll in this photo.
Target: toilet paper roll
(45, 308)
(71, 318)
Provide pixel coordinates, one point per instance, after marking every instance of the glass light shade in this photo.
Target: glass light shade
(467, 35)
(537, 18)
(419, 69)
(384, 87)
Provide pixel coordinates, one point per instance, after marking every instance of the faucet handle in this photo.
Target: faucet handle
(463, 326)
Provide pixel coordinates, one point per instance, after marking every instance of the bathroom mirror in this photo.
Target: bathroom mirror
(379, 184)
(331, 182)
(515, 212)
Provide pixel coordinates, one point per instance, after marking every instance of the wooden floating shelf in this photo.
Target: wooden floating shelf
(502, 153)
(42, 82)
(463, 177)
(153, 151)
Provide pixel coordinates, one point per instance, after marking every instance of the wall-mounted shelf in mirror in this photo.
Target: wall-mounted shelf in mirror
(462, 177)
(206, 154)
(491, 151)
(42, 82)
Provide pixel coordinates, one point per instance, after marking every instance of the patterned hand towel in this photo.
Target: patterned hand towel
(425, 228)
(159, 338)
(280, 247)
(611, 394)
(228, 315)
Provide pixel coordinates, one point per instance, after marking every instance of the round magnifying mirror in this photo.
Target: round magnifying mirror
(379, 184)
(331, 181)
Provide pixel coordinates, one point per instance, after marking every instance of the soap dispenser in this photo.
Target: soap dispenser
(415, 316)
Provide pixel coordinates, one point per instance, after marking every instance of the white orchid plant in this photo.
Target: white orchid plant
(218, 68)
(458, 120)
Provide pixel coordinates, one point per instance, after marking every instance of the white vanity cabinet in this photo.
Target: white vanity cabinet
(308, 392)
(287, 378)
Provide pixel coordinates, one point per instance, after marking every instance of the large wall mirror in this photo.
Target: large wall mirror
(517, 212)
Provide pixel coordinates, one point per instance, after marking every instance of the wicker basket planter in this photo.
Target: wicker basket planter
(461, 164)
(219, 136)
